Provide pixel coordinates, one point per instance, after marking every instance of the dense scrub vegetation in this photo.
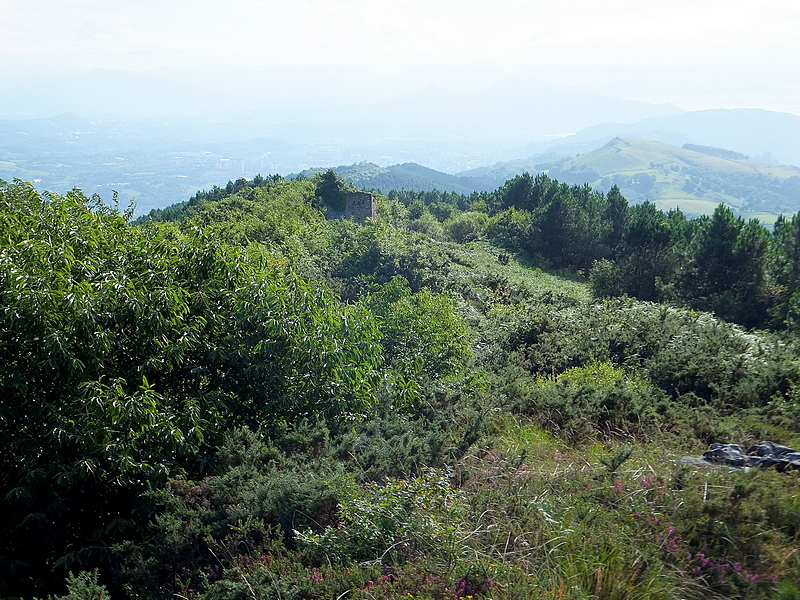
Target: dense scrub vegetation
(237, 398)
(718, 263)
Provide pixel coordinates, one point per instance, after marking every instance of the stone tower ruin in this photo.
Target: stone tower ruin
(359, 206)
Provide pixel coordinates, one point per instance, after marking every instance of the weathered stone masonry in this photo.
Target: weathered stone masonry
(360, 206)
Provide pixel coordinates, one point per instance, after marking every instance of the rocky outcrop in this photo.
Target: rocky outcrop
(763, 455)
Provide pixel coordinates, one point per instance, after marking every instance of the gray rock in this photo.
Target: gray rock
(763, 455)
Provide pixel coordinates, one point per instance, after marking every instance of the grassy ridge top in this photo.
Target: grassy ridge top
(623, 154)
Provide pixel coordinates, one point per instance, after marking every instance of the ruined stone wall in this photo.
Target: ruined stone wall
(360, 206)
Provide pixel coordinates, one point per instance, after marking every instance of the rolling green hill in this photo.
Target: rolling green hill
(408, 176)
(678, 177)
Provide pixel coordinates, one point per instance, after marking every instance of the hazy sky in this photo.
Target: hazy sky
(694, 53)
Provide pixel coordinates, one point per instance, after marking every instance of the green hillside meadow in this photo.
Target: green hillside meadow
(487, 395)
(693, 181)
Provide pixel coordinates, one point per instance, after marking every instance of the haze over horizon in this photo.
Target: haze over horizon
(719, 54)
(156, 100)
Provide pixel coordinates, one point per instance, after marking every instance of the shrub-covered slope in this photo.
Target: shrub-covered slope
(237, 398)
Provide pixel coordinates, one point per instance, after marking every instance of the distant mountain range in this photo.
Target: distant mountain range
(508, 111)
(173, 137)
(509, 108)
(450, 131)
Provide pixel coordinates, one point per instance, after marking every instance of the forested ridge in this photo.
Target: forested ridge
(481, 395)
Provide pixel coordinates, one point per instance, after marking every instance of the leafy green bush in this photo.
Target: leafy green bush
(606, 279)
(84, 586)
(423, 337)
(128, 349)
(598, 400)
(466, 226)
(398, 518)
(712, 371)
(376, 252)
(332, 189)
